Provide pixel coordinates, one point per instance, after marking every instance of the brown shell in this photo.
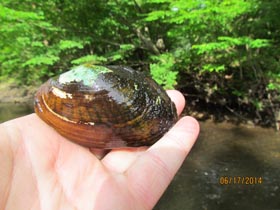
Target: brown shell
(120, 108)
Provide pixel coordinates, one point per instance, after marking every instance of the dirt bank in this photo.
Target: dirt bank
(13, 93)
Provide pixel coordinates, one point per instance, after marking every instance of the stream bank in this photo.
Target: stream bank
(13, 93)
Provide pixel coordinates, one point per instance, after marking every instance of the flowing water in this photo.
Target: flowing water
(212, 176)
(230, 168)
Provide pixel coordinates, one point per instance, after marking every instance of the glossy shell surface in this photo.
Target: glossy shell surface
(106, 107)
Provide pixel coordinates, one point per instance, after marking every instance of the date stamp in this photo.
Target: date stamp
(240, 180)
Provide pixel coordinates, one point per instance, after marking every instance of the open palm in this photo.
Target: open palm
(42, 170)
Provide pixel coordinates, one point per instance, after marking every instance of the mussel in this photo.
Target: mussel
(106, 106)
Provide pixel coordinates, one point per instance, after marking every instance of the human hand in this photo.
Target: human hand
(42, 170)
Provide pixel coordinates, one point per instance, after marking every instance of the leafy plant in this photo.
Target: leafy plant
(229, 48)
(89, 59)
(162, 70)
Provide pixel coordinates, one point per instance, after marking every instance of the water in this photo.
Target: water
(12, 110)
(222, 150)
(225, 150)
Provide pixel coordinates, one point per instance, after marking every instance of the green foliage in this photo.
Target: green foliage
(41, 60)
(89, 59)
(70, 44)
(162, 70)
(273, 86)
(226, 52)
(120, 54)
(230, 48)
(24, 44)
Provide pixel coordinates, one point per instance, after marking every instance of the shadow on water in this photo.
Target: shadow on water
(222, 150)
(225, 150)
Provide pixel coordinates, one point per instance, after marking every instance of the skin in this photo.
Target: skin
(42, 170)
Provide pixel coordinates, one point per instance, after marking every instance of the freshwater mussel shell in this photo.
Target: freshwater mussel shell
(106, 107)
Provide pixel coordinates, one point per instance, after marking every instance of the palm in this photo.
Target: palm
(45, 171)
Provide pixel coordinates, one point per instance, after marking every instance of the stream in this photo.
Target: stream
(230, 168)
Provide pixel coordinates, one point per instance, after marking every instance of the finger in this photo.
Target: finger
(120, 159)
(152, 172)
(178, 99)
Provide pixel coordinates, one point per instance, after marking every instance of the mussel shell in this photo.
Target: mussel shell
(106, 107)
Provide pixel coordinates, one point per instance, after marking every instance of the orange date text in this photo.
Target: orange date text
(240, 180)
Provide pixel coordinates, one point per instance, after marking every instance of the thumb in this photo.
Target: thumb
(153, 171)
